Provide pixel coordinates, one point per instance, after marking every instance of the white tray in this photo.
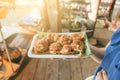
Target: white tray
(33, 55)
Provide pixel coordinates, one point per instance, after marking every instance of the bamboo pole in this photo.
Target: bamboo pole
(5, 46)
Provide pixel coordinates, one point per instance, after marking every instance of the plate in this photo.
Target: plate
(31, 54)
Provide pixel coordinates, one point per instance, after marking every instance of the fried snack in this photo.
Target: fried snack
(41, 45)
(77, 36)
(65, 40)
(78, 42)
(60, 43)
(78, 47)
(51, 37)
(15, 54)
(67, 49)
(55, 48)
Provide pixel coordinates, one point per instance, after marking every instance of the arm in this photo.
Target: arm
(98, 53)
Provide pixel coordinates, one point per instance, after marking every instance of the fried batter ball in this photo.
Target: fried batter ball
(65, 40)
(52, 37)
(77, 47)
(55, 48)
(67, 49)
(41, 45)
(77, 36)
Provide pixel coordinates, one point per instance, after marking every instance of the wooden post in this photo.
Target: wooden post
(59, 17)
(111, 8)
(93, 15)
(94, 9)
(44, 15)
(53, 15)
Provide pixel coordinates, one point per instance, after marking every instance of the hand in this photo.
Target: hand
(102, 75)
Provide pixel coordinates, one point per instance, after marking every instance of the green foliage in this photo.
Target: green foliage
(75, 24)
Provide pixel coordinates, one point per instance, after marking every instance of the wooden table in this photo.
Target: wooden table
(57, 69)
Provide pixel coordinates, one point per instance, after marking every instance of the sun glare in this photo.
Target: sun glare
(40, 3)
(28, 2)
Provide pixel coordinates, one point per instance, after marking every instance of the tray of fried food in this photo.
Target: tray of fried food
(59, 45)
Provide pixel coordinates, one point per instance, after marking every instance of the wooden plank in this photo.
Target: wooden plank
(20, 72)
(14, 42)
(103, 39)
(21, 40)
(52, 70)
(64, 70)
(41, 69)
(19, 77)
(88, 67)
(99, 33)
(76, 72)
(30, 69)
(24, 43)
(10, 38)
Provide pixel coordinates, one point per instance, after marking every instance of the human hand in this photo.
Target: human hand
(102, 75)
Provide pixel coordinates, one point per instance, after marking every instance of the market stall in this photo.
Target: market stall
(12, 53)
(49, 39)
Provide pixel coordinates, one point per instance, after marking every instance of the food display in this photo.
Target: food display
(41, 46)
(55, 48)
(15, 55)
(58, 44)
(67, 49)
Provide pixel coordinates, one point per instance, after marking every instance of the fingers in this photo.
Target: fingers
(99, 76)
(104, 75)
